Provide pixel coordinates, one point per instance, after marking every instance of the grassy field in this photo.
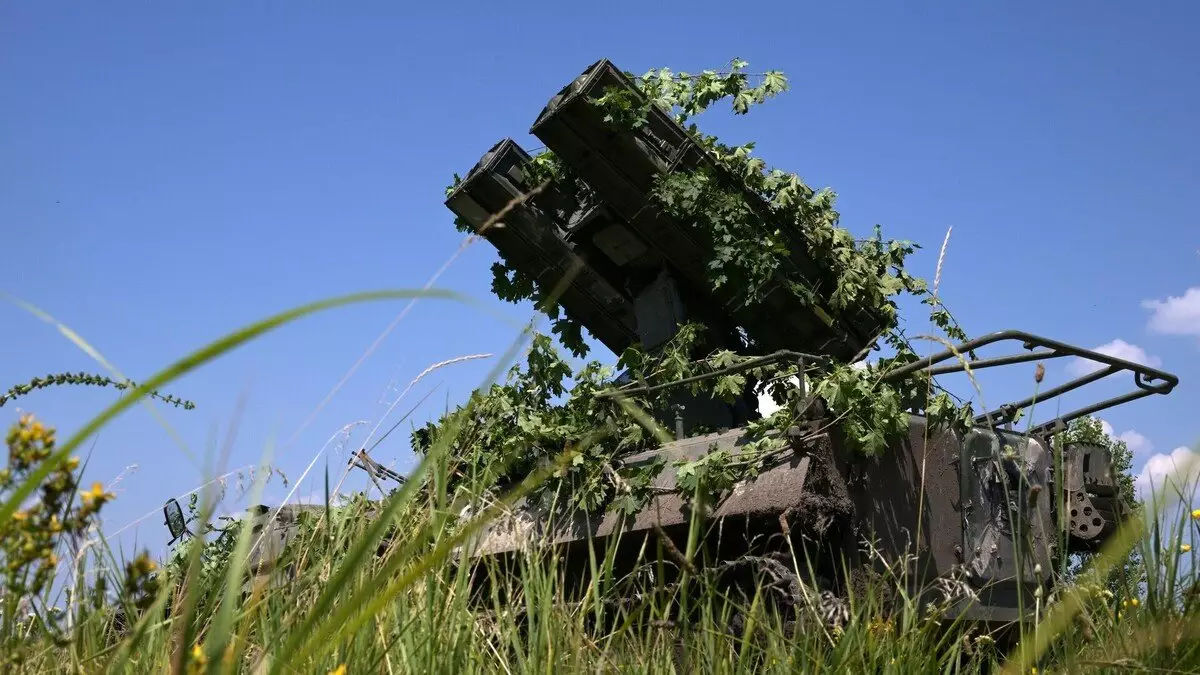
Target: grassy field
(387, 594)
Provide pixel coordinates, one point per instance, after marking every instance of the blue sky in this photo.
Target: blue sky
(168, 174)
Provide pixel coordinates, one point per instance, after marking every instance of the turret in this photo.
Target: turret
(625, 268)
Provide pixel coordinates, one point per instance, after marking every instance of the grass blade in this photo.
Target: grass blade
(357, 554)
(184, 366)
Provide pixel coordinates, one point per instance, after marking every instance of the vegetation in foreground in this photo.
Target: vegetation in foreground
(384, 594)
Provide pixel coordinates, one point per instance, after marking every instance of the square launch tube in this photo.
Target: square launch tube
(530, 239)
(622, 165)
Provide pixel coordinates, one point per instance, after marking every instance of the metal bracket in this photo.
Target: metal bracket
(374, 469)
(1093, 499)
(1147, 380)
(175, 521)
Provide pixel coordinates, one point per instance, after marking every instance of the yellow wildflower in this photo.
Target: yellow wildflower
(198, 655)
(878, 625)
(97, 494)
(1184, 548)
(1196, 514)
(340, 670)
(20, 516)
(143, 564)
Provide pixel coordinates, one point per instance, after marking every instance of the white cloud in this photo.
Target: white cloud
(1164, 473)
(1176, 315)
(1137, 443)
(1118, 349)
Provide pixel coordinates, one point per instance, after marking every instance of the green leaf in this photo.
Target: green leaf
(182, 367)
(774, 82)
(742, 103)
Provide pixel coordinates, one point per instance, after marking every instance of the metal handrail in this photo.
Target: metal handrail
(1148, 380)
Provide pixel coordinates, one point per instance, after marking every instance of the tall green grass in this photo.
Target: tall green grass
(420, 618)
(383, 587)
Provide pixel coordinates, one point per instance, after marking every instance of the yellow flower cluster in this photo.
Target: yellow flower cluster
(198, 659)
(198, 663)
(29, 443)
(141, 586)
(29, 539)
(1126, 604)
(93, 499)
(880, 627)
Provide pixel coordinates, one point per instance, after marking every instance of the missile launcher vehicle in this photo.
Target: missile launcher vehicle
(990, 509)
(992, 506)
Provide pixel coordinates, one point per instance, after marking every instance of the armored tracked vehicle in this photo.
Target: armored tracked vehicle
(989, 508)
(992, 507)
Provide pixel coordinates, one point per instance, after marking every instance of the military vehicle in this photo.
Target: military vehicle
(988, 507)
(992, 508)
(274, 529)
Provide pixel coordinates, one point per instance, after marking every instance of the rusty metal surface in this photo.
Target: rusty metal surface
(907, 500)
(1007, 517)
(773, 492)
(276, 534)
